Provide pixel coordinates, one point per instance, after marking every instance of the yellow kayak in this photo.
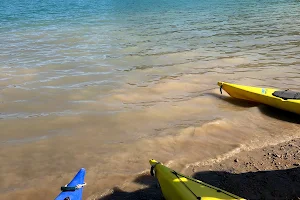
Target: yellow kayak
(282, 99)
(175, 186)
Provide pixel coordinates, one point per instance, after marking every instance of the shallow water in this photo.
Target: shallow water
(108, 85)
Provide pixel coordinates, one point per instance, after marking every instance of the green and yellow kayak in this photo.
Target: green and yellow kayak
(175, 186)
(282, 99)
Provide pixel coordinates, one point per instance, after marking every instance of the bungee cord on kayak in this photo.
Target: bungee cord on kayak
(199, 182)
(175, 173)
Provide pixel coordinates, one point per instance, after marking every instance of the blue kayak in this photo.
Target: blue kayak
(73, 191)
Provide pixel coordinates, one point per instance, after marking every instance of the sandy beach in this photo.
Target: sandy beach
(271, 172)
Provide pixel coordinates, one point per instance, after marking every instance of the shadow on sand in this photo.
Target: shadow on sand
(277, 184)
(152, 192)
(266, 110)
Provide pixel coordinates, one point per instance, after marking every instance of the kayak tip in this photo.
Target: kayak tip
(153, 162)
(220, 83)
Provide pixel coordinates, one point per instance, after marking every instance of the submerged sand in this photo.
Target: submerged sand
(271, 172)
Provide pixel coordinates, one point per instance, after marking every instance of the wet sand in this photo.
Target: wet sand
(193, 124)
(272, 172)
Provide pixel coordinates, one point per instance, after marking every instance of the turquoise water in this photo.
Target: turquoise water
(113, 83)
(106, 32)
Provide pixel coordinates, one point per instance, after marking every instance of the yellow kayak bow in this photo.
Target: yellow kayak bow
(285, 100)
(175, 186)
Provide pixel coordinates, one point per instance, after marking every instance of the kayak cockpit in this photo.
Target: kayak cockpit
(287, 94)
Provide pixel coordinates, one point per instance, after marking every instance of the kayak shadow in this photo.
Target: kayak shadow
(265, 109)
(277, 184)
(279, 114)
(150, 192)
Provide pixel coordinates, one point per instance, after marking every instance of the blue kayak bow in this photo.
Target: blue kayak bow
(73, 190)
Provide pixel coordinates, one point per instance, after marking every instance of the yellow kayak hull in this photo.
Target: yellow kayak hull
(175, 186)
(260, 95)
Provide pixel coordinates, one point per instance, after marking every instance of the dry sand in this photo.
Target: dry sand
(272, 172)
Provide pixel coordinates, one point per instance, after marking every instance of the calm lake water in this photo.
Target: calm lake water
(107, 85)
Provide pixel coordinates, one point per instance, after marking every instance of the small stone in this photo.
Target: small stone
(281, 148)
(236, 160)
(286, 155)
(296, 164)
(274, 155)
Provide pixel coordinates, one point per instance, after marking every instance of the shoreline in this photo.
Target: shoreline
(271, 172)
